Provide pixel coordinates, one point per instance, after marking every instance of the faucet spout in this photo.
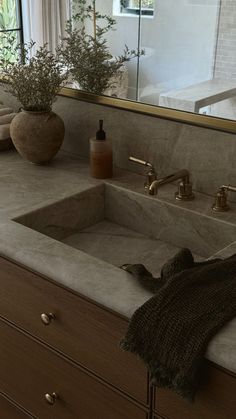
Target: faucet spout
(185, 187)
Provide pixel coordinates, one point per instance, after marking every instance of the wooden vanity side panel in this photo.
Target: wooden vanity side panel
(9, 411)
(215, 399)
(29, 370)
(82, 330)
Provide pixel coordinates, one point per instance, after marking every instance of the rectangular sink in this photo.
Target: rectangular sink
(121, 226)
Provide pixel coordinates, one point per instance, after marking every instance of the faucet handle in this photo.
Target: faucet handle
(151, 174)
(221, 204)
(139, 161)
(185, 191)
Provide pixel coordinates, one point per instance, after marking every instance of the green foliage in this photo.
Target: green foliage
(8, 20)
(8, 47)
(145, 4)
(8, 14)
(34, 81)
(87, 56)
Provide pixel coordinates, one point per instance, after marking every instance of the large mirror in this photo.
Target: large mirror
(173, 54)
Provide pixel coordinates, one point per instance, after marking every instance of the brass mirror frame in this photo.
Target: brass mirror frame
(211, 122)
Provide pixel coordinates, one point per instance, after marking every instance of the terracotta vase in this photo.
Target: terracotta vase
(37, 136)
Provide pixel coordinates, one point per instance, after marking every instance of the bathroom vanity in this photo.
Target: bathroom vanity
(76, 356)
(64, 308)
(73, 367)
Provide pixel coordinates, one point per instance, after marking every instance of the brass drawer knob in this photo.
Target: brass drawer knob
(47, 318)
(51, 398)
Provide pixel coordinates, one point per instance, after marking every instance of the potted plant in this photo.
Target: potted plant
(36, 131)
(87, 56)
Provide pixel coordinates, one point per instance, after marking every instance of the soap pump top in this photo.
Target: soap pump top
(100, 134)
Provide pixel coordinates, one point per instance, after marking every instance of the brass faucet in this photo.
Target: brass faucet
(184, 193)
(151, 174)
(153, 183)
(220, 204)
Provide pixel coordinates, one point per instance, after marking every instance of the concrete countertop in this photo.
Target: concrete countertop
(25, 187)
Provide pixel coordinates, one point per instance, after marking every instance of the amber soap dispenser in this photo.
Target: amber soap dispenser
(101, 161)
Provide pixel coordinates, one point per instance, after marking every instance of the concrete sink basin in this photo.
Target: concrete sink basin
(121, 226)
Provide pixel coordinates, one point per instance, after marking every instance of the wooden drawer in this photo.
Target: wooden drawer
(9, 411)
(29, 370)
(215, 400)
(83, 330)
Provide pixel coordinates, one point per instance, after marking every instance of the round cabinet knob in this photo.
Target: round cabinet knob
(47, 318)
(51, 398)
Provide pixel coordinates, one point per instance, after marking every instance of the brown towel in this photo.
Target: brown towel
(171, 331)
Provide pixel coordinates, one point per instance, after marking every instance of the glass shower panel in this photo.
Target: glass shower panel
(180, 41)
(125, 33)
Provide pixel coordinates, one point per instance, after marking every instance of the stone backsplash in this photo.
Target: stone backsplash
(208, 154)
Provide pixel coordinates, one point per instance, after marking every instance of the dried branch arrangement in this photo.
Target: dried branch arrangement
(34, 81)
(87, 56)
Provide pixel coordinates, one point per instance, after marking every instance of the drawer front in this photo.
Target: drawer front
(214, 400)
(29, 370)
(84, 331)
(9, 411)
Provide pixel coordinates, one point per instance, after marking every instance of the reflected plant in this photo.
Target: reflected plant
(87, 56)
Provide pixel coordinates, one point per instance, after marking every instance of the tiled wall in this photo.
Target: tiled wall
(225, 65)
(208, 154)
